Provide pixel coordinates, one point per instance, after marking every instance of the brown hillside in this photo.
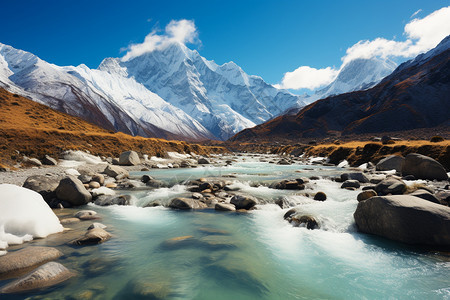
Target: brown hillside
(35, 130)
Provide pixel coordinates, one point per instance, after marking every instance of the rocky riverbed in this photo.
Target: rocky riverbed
(94, 199)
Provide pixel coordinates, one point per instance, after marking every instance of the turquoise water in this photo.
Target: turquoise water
(254, 255)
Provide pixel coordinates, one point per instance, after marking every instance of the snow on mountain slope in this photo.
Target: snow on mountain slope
(109, 100)
(223, 98)
(358, 74)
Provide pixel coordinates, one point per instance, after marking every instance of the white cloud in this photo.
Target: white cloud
(421, 36)
(182, 31)
(308, 78)
(415, 14)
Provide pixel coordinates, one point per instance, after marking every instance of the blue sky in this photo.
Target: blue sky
(266, 38)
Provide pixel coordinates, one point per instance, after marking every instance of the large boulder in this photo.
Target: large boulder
(114, 171)
(129, 158)
(224, 207)
(72, 190)
(44, 185)
(203, 161)
(393, 162)
(423, 167)
(361, 177)
(390, 185)
(426, 195)
(350, 184)
(24, 259)
(406, 219)
(46, 275)
(186, 203)
(243, 201)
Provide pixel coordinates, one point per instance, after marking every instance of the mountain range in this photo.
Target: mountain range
(168, 93)
(415, 95)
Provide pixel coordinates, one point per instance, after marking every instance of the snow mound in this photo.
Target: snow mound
(24, 215)
(82, 157)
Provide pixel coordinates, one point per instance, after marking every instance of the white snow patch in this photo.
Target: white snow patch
(72, 172)
(24, 215)
(82, 157)
(103, 191)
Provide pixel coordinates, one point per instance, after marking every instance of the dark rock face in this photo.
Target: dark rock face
(186, 203)
(289, 185)
(46, 275)
(129, 158)
(49, 161)
(46, 186)
(392, 162)
(405, 219)
(203, 161)
(423, 194)
(72, 190)
(390, 185)
(423, 167)
(243, 202)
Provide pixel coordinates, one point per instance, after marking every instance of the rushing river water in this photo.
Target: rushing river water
(254, 255)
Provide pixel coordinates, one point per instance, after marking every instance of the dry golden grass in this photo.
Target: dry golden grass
(35, 130)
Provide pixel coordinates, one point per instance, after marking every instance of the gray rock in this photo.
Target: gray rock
(46, 275)
(92, 237)
(288, 185)
(155, 183)
(283, 162)
(390, 185)
(72, 190)
(423, 167)
(361, 177)
(406, 219)
(350, 184)
(129, 158)
(44, 185)
(224, 207)
(49, 161)
(425, 195)
(366, 195)
(86, 215)
(26, 258)
(115, 161)
(85, 179)
(203, 161)
(393, 162)
(105, 200)
(444, 197)
(115, 171)
(243, 201)
(186, 203)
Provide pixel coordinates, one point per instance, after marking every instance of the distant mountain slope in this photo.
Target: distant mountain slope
(223, 98)
(415, 95)
(35, 130)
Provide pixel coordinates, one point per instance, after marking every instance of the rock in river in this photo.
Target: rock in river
(44, 185)
(186, 203)
(26, 258)
(114, 171)
(46, 275)
(390, 185)
(405, 219)
(243, 201)
(92, 237)
(393, 162)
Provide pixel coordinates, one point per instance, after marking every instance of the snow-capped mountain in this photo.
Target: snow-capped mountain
(223, 98)
(109, 100)
(355, 75)
(358, 74)
(170, 93)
